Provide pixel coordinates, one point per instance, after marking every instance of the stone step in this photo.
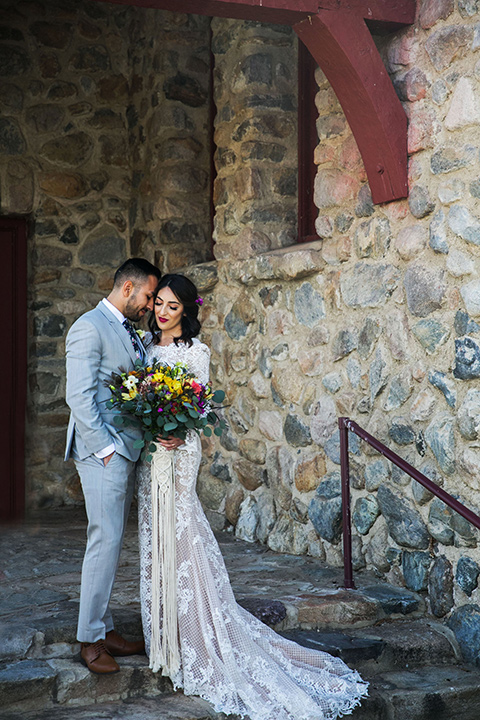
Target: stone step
(338, 608)
(386, 647)
(167, 707)
(426, 693)
(36, 684)
(53, 673)
(53, 634)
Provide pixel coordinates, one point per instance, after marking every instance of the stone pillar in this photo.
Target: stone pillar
(255, 137)
(170, 139)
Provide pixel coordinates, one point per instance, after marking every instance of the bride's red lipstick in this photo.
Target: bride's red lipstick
(162, 320)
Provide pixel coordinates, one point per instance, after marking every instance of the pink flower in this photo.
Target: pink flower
(197, 389)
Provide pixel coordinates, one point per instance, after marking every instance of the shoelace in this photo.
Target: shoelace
(99, 647)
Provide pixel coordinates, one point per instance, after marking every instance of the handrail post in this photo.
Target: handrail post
(347, 528)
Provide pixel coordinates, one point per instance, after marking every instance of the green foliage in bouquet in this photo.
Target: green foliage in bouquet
(164, 400)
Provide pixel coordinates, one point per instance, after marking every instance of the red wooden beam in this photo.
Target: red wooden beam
(342, 45)
(280, 12)
(395, 14)
(286, 12)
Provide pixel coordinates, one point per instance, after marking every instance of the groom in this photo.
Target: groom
(98, 343)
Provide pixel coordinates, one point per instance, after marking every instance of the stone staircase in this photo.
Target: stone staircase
(413, 663)
(414, 667)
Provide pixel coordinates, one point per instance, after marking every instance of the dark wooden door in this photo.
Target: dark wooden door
(13, 368)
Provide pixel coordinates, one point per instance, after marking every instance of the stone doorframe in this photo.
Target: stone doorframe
(336, 34)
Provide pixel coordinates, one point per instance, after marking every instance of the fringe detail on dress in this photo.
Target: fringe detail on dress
(165, 652)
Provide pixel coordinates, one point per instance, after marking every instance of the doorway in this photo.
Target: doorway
(13, 368)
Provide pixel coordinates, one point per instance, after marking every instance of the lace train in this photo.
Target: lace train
(228, 657)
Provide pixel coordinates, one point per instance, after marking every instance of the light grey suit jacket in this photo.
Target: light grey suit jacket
(97, 345)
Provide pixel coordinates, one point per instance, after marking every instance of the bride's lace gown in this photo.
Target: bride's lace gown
(228, 657)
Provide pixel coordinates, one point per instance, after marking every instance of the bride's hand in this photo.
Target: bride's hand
(170, 443)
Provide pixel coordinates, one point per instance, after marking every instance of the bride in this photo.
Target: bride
(224, 654)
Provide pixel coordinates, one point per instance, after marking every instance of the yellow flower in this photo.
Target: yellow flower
(174, 386)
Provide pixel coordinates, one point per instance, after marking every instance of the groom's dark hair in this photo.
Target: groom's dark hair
(136, 270)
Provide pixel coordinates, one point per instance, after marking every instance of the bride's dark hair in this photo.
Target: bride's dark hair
(187, 294)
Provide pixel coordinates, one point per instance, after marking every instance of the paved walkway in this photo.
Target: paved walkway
(40, 565)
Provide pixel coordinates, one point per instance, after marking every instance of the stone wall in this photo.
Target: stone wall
(377, 321)
(102, 142)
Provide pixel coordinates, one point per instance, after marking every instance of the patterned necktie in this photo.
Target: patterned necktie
(137, 345)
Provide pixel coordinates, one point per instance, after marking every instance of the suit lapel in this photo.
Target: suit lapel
(118, 328)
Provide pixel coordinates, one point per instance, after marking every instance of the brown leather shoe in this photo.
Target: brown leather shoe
(117, 645)
(97, 658)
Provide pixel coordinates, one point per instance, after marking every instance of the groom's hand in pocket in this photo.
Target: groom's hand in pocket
(107, 459)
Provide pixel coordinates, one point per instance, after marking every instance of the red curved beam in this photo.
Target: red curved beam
(343, 47)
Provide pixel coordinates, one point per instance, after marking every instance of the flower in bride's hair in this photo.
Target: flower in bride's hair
(199, 300)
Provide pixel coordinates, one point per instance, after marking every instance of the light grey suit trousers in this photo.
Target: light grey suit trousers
(97, 345)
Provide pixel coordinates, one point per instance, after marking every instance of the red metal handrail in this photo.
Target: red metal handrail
(344, 425)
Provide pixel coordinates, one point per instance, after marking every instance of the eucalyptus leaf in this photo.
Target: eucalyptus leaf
(218, 396)
(139, 444)
(207, 431)
(152, 447)
(170, 426)
(218, 431)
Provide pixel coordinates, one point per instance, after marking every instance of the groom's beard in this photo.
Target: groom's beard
(133, 311)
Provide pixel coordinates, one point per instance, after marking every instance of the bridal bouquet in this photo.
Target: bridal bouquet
(164, 400)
